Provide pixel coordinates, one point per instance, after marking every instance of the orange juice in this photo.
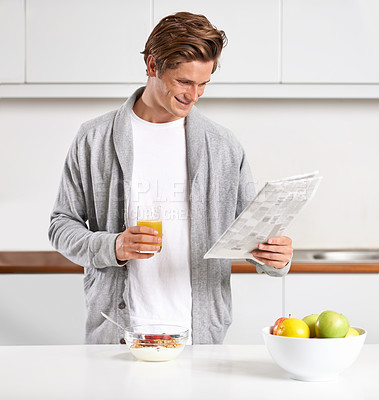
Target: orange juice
(157, 225)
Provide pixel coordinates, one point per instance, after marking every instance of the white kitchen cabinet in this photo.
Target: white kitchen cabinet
(252, 53)
(12, 41)
(42, 309)
(354, 295)
(277, 48)
(330, 41)
(84, 41)
(257, 302)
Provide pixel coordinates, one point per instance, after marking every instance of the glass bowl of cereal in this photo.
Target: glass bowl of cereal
(155, 342)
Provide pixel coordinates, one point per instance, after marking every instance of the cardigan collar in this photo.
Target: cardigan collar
(123, 139)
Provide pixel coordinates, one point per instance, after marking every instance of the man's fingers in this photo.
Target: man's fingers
(266, 255)
(145, 247)
(274, 249)
(145, 239)
(135, 239)
(142, 229)
(280, 240)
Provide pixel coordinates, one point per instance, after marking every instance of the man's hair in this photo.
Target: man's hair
(184, 37)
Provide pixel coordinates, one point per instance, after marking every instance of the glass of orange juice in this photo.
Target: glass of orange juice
(150, 216)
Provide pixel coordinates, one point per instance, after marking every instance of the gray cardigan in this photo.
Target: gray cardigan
(91, 209)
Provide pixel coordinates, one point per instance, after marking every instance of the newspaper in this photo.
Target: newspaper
(267, 215)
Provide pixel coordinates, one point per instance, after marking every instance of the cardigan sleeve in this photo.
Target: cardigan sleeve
(68, 232)
(270, 270)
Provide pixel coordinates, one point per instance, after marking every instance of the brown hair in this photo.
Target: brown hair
(184, 37)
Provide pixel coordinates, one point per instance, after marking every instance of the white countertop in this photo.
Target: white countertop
(201, 372)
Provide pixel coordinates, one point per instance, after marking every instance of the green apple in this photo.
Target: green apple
(310, 320)
(352, 332)
(331, 324)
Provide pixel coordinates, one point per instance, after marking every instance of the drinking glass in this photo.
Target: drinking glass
(150, 216)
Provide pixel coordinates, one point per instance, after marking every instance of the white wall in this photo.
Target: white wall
(339, 138)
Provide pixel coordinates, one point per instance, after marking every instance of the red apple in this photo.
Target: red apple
(276, 325)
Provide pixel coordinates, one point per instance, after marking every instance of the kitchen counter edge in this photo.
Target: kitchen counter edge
(52, 262)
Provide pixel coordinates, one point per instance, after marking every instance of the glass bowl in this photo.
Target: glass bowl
(155, 342)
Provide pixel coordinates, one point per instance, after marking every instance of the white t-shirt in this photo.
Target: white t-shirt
(160, 287)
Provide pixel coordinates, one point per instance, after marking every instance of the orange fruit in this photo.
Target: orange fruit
(293, 327)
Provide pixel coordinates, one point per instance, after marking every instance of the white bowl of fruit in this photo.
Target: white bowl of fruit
(315, 348)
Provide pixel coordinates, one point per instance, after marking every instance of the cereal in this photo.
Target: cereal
(167, 343)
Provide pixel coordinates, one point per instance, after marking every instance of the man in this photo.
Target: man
(158, 149)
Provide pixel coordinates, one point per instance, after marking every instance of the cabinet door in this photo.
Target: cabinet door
(252, 29)
(257, 302)
(330, 41)
(354, 295)
(42, 309)
(86, 41)
(12, 41)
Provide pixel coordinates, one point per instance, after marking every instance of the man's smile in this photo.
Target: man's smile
(183, 102)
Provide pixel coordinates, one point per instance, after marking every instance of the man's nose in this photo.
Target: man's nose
(194, 93)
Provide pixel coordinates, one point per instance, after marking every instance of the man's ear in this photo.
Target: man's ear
(151, 66)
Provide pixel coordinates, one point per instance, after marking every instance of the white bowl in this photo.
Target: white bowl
(313, 359)
(156, 342)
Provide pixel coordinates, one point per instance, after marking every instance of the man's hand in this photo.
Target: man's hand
(135, 239)
(277, 252)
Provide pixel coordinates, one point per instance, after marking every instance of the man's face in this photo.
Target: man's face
(177, 90)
